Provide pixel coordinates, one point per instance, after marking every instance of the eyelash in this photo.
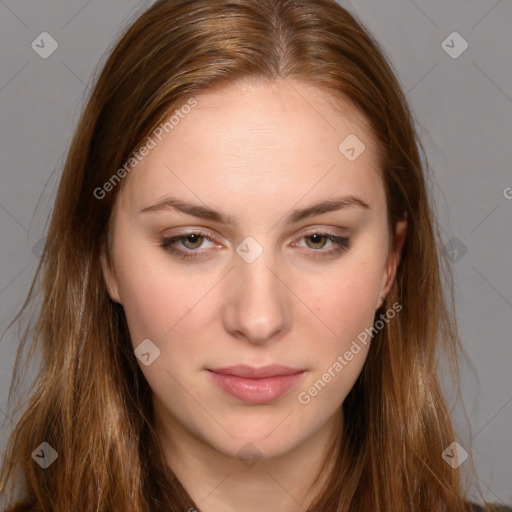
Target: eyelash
(342, 244)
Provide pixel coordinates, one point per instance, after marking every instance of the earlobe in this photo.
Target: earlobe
(110, 280)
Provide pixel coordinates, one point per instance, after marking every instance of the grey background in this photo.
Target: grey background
(463, 109)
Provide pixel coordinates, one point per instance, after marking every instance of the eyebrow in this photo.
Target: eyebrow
(197, 210)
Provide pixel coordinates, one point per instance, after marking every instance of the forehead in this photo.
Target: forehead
(247, 142)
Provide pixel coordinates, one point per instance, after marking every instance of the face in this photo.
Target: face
(243, 302)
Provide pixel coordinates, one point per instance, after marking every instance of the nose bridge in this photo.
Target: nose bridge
(258, 307)
(258, 278)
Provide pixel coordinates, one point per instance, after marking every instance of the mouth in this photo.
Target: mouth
(256, 385)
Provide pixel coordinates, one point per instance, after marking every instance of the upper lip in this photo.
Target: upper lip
(243, 370)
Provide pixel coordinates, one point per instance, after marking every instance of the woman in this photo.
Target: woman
(242, 296)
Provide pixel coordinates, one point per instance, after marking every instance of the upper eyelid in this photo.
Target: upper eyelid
(331, 230)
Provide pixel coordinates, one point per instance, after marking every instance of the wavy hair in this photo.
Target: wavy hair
(90, 400)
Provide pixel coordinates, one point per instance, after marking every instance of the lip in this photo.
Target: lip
(256, 385)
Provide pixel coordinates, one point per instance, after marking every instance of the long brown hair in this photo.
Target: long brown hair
(90, 401)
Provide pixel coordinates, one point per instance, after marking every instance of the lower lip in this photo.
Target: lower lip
(256, 391)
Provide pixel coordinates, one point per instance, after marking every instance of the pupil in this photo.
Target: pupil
(316, 239)
(192, 239)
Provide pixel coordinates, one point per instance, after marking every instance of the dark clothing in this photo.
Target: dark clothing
(497, 508)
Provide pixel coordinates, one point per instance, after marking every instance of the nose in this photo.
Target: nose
(258, 305)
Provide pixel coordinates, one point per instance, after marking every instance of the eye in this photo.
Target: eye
(189, 242)
(319, 240)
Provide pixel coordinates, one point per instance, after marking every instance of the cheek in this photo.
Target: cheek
(344, 301)
(337, 357)
(153, 298)
(344, 298)
(164, 309)
(157, 307)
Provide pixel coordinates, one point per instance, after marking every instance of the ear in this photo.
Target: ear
(393, 260)
(110, 279)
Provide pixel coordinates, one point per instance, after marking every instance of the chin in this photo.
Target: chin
(265, 439)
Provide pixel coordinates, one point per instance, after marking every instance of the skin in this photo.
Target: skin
(254, 152)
